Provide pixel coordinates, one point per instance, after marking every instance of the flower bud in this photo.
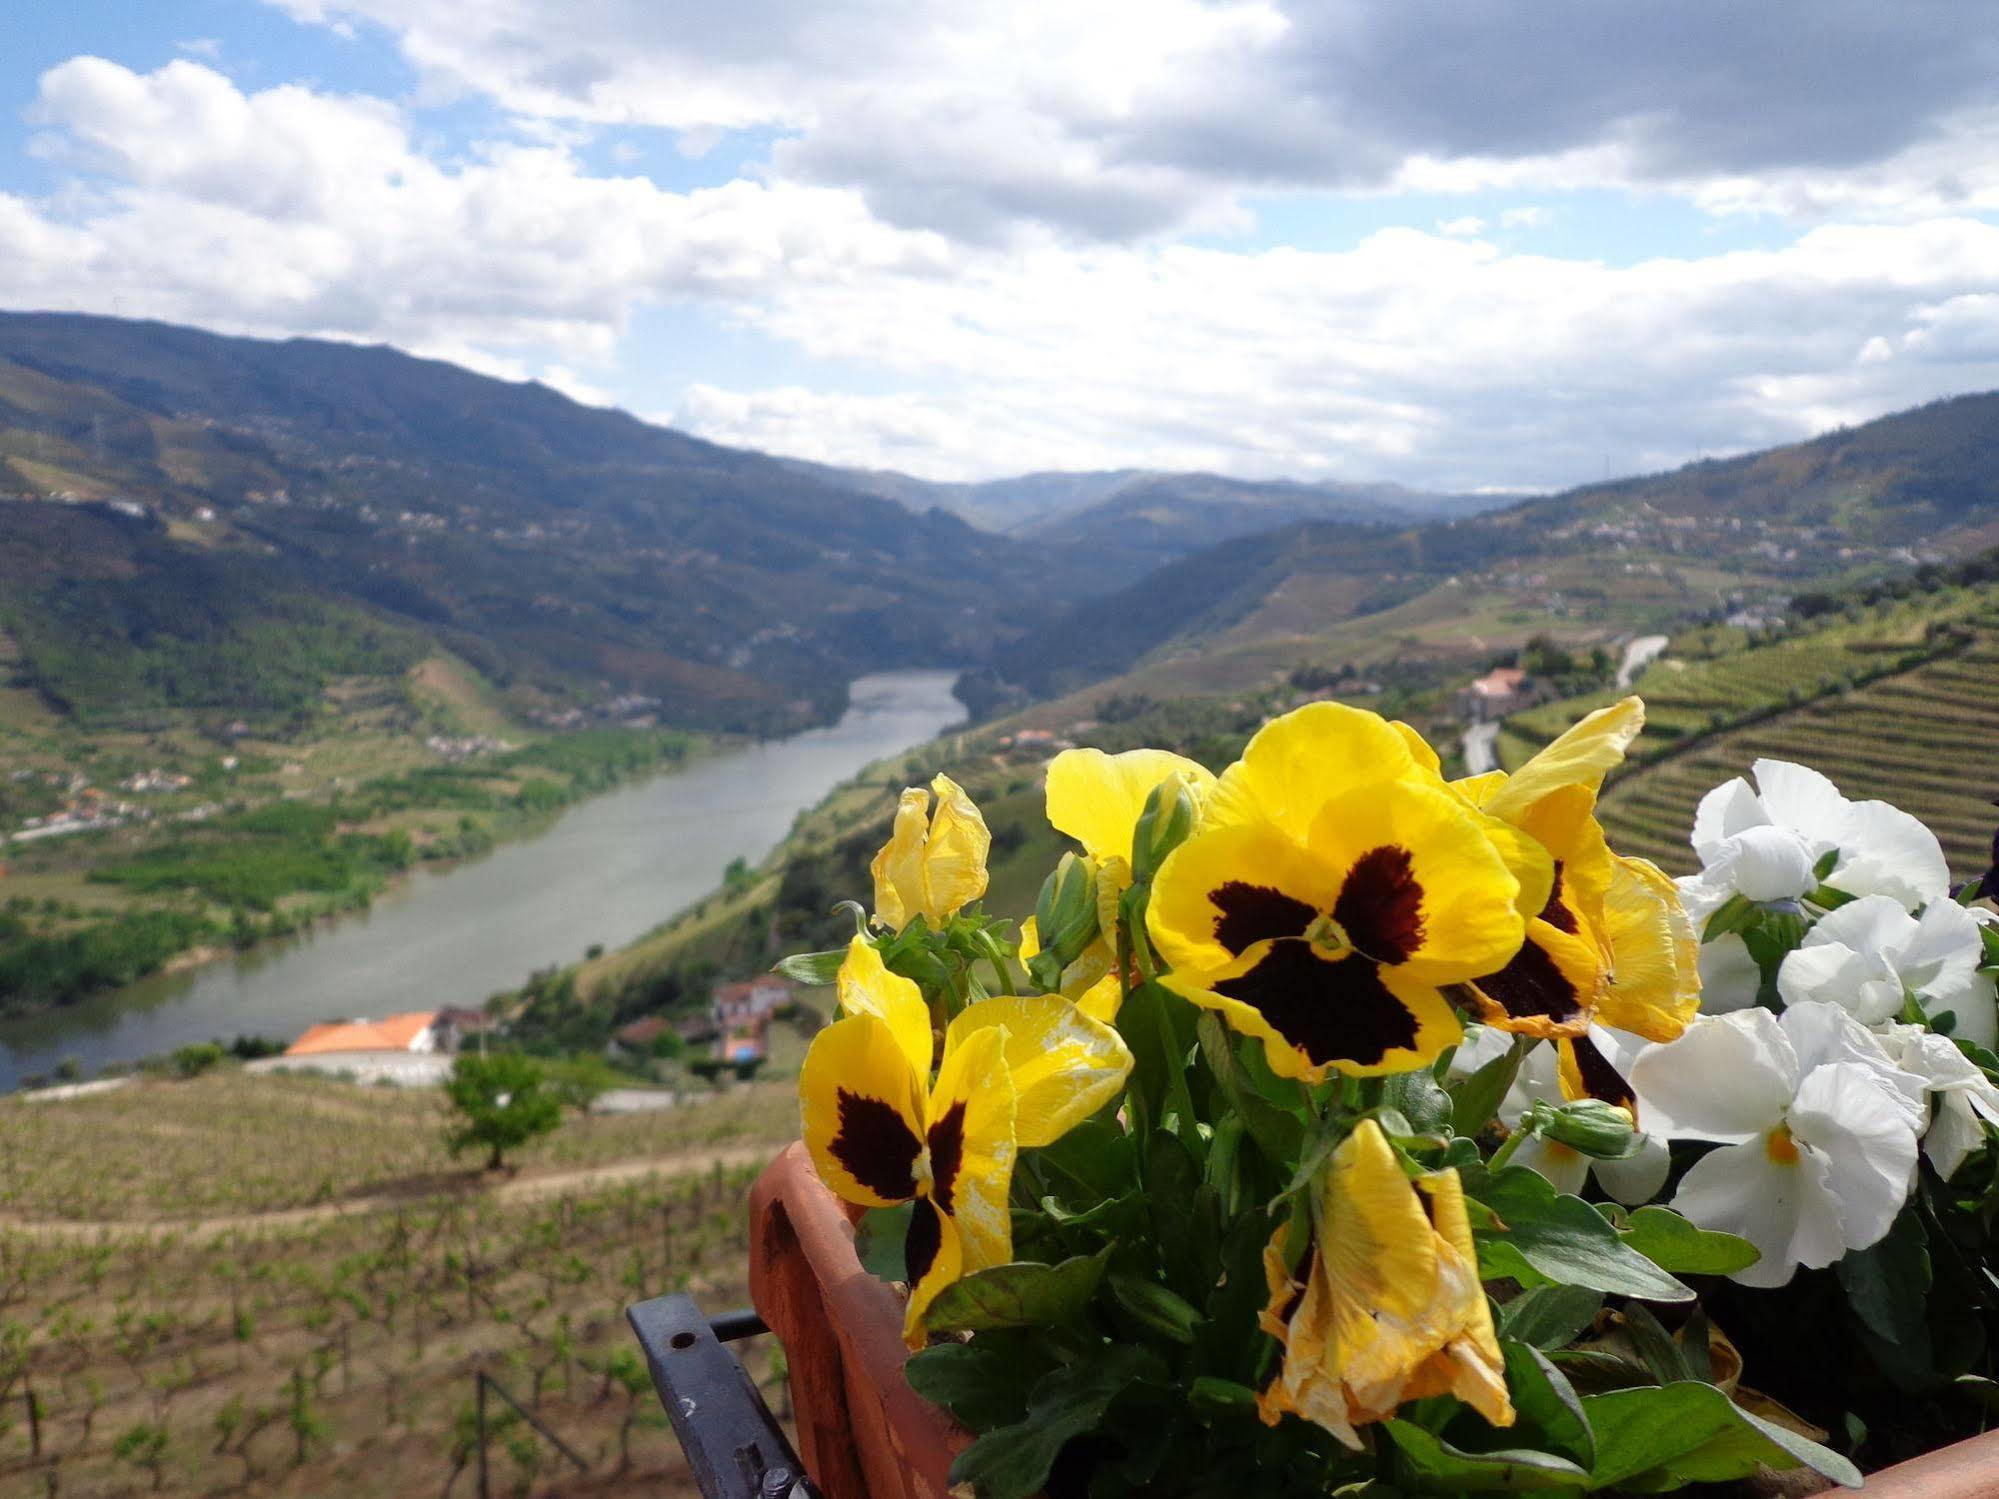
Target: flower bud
(1589, 1125)
(1065, 919)
(1163, 826)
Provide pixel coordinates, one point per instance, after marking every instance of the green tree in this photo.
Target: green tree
(503, 1101)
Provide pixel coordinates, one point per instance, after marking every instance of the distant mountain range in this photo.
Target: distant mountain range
(1152, 514)
(182, 510)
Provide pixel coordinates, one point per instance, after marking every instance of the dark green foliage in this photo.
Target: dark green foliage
(41, 970)
(502, 1102)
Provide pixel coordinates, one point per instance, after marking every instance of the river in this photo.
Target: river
(606, 870)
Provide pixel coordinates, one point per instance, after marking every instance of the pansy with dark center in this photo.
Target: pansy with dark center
(1324, 918)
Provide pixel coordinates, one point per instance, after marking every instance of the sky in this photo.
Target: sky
(1456, 244)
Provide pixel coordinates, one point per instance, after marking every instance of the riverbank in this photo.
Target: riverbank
(599, 873)
(200, 889)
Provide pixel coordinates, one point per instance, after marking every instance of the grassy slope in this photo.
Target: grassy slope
(1899, 701)
(384, 1313)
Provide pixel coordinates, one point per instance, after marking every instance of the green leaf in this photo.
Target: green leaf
(1210, 1396)
(1655, 1345)
(814, 968)
(1012, 1462)
(1170, 1315)
(984, 1383)
(1095, 1157)
(880, 1240)
(1660, 1437)
(1678, 1247)
(1476, 1099)
(1549, 1316)
(1550, 1237)
(1419, 1099)
(1438, 1467)
(1888, 1285)
(1546, 1405)
(1277, 1132)
(1023, 1294)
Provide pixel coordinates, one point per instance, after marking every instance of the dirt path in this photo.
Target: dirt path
(516, 1189)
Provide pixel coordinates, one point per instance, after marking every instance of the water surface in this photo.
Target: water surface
(607, 870)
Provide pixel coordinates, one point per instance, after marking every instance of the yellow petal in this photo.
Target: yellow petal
(1465, 922)
(1580, 757)
(1295, 764)
(935, 1256)
(1470, 1365)
(1064, 1065)
(1585, 1072)
(1096, 798)
(1374, 1235)
(971, 1142)
(866, 987)
(1230, 886)
(1654, 988)
(898, 867)
(862, 1111)
(1307, 1382)
(1102, 1000)
(1419, 750)
(954, 858)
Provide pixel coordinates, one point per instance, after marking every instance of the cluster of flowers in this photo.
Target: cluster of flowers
(1344, 928)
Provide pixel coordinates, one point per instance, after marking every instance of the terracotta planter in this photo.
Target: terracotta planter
(862, 1431)
(864, 1434)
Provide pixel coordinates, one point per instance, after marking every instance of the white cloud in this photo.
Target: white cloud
(1469, 227)
(1527, 216)
(1436, 359)
(1123, 119)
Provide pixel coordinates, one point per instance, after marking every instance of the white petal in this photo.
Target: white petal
(1858, 982)
(1975, 1007)
(1796, 796)
(1955, 1134)
(1873, 923)
(1729, 1077)
(1885, 851)
(1869, 1143)
(1824, 1034)
(1481, 1044)
(1785, 1210)
(1730, 978)
(1702, 897)
(1566, 1169)
(1766, 864)
(1539, 1077)
(1636, 1179)
(1725, 811)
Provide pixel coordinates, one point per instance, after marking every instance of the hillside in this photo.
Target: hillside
(1896, 699)
(569, 552)
(1135, 520)
(1590, 564)
(283, 1286)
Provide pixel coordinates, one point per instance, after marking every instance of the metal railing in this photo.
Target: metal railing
(733, 1444)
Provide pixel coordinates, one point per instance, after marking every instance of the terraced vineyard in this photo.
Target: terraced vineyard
(1901, 704)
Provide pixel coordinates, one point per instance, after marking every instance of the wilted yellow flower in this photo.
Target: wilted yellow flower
(1386, 1305)
(1334, 887)
(1612, 945)
(934, 862)
(1015, 1072)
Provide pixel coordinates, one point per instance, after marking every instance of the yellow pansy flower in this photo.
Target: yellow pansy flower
(1612, 944)
(1386, 1305)
(1014, 1072)
(1332, 890)
(934, 862)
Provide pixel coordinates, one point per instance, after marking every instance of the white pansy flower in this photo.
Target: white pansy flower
(1730, 977)
(1631, 1181)
(1816, 1126)
(1964, 1096)
(1765, 842)
(1870, 954)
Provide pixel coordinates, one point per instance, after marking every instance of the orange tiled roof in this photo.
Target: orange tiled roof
(393, 1034)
